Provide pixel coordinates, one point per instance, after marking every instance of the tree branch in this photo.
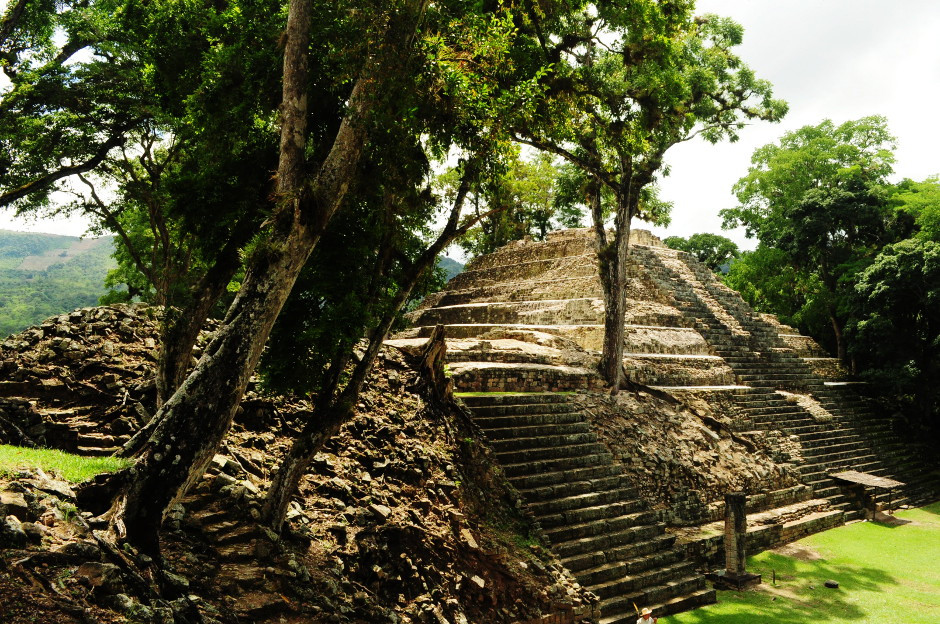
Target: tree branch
(46, 181)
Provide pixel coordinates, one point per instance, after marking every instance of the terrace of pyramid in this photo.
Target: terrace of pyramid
(628, 489)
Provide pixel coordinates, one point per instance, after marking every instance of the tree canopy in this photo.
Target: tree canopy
(714, 250)
(261, 157)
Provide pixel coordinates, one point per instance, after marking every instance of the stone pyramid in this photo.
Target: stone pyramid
(524, 327)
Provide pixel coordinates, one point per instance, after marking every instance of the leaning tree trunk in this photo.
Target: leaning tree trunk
(193, 422)
(181, 328)
(321, 427)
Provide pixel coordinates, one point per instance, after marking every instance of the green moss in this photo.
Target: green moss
(73, 468)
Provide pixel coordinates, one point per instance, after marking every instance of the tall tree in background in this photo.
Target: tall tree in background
(819, 197)
(524, 192)
(897, 324)
(632, 80)
(713, 250)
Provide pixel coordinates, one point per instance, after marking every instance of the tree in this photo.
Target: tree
(186, 184)
(192, 422)
(401, 75)
(769, 283)
(898, 322)
(920, 201)
(713, 250)
(656, 77)
(819, 197)
(61, 116)
(525, 193)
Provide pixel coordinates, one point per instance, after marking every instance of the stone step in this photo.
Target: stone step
(97, 451)
(614, 579)
(571, 266)
(532, 431)
(575, 487)
(535, 467)
(599, 557)
(97, 439)
(622, 612)
(513, 421)
(515, 398)
(536, 454)
(573, 517)
(535, 288)
(521, 409)
(513, 254)
(837, 447)
(561, 478)
(601, 527)
(508, 445)
(595, 545)
(586, 500)
(511, 377)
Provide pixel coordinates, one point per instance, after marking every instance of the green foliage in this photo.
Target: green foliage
(920, 201)
(75, 468)
(714, 250)
(819, 197)
(525, 192)
(31, 295)
(883, 570)
(897, 321)
(825, 156)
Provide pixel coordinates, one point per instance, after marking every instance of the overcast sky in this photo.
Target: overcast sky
(829, 59)
(835, 59)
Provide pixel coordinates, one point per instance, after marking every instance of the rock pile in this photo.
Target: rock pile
(401, 519)
(701, 461)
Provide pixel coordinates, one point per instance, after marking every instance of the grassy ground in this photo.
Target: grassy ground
(886, 573)
(71, 467)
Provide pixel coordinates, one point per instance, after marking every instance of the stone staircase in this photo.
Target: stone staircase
(599, 526)
(845, 434)
(527, 321)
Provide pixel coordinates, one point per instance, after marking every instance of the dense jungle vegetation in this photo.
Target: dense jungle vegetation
(295, 169)
(58, 279)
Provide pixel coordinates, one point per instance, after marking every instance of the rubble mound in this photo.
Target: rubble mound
(402, 518)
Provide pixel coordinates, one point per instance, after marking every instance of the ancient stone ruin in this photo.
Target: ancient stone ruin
(630, 489)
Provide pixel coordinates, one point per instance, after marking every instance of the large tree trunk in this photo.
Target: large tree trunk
(612, 265)
(321, 427)
(181, 328)
(193, 422)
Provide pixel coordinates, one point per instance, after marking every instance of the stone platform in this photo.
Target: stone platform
(529, 319)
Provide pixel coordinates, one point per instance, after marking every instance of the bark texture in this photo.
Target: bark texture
(192, 423)
(336, 411)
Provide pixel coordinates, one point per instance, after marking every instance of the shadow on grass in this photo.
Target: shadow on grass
(800, 595)
(932, 509)
(888, 521)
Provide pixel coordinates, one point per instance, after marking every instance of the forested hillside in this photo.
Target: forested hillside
(44, 274)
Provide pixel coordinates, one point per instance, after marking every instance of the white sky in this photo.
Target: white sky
(836, 59)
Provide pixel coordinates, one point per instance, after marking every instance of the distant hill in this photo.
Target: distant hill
(450, 266)
(42, 275)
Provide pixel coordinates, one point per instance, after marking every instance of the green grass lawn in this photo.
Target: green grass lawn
(73, 468)
(886, 573)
